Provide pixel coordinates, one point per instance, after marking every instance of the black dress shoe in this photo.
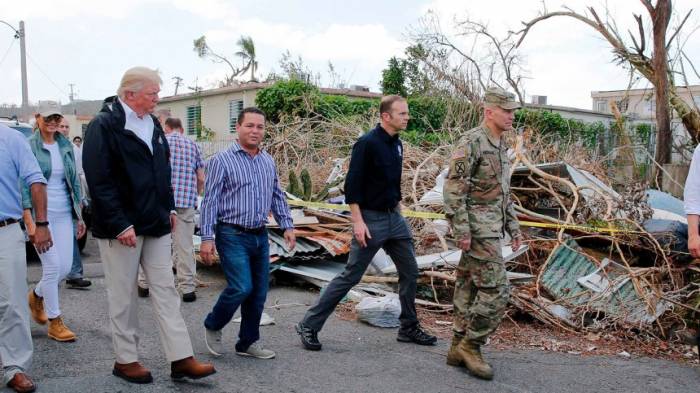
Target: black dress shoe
(416, 335)
(309, 337)
(189, 297)
(78, 283)
(143, 292)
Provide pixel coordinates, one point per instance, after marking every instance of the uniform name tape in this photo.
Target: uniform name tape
(435, 216)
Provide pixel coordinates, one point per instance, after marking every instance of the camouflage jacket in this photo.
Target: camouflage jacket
(477, 188)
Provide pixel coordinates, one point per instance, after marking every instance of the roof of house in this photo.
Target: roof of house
(568, 109)
(643, 91)
(79, 108)
(261, 85)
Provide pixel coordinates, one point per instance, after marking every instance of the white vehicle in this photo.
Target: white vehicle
(24, 128)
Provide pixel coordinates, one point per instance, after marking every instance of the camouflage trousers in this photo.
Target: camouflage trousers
(481, 291)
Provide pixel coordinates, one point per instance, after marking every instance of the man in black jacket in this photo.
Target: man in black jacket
(373, 191)
(128, 174)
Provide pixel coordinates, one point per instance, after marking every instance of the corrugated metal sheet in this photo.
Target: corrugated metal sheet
(303, 247)
(568, 264)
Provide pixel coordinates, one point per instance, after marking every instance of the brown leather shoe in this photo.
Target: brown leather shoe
(190, 368)
(133, 372)
(21, 383)
(36, 306)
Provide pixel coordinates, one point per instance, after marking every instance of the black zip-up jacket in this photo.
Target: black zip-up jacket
(374, 177)
(128, 185)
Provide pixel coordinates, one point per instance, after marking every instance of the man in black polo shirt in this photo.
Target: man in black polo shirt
(373, 191)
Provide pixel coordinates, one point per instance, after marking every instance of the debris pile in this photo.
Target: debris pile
(594, 258)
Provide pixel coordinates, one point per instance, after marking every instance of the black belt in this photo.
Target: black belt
(387, 210)
(254, 231)
(8, 221)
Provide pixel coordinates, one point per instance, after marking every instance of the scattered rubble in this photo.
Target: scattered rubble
(595, 261)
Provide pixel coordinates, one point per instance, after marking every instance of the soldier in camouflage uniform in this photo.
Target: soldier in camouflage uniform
(480, 211)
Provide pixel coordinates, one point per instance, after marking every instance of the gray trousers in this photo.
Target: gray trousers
(390, 232)
(15, 337)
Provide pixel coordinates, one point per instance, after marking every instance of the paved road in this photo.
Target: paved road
(355, 358)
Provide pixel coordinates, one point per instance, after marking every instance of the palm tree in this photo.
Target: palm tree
(247, 54)
(203, 50)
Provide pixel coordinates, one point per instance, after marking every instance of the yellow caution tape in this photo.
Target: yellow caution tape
(437, 216)
(338, 207)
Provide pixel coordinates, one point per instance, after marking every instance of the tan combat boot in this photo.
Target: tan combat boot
(453, 357)
(59, 332)
(36, 306)
(471, 355)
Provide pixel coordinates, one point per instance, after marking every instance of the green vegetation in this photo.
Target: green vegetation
(431, 117)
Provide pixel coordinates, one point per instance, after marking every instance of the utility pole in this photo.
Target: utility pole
(23, 54)
(72, 95)
(178, 82)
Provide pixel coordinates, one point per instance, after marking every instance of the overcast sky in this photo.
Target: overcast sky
(90, 44)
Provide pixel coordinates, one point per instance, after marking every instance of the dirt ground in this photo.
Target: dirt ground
(522, 334)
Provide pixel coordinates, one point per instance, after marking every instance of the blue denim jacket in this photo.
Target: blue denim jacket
(44, 158)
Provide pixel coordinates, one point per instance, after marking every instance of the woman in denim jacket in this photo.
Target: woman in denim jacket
(54, 153)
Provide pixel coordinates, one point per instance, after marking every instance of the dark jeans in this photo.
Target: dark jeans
(76, 270)
(390, 232)
(245, 260)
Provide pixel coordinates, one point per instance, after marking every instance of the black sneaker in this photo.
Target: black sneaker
(78, 283)
(189, 297)
(416, 335)
(309, 337)
(143, 292)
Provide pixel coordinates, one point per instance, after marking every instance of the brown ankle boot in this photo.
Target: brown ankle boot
(453, 357)
(471, 355)
(36, 306)
(59, 332)
(190, 368)
(133, 372)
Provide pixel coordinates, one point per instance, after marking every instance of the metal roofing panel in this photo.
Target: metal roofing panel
(567, 264)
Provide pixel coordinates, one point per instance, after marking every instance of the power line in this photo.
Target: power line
(47, 76)
(7, 52)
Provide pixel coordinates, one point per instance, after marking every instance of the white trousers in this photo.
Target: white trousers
(56, 262)
(15, 337)
(121, 265)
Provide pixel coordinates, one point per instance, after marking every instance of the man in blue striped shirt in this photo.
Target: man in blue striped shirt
(240, 191)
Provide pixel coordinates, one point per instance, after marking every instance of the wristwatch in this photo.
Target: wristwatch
(41, 223)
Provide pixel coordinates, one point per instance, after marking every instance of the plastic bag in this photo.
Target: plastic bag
(380, 311)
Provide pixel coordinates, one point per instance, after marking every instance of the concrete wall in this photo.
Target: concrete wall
(76, 124)
(678, 173)
(215, 111)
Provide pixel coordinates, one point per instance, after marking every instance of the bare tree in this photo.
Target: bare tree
(652, 63)
(485, 61)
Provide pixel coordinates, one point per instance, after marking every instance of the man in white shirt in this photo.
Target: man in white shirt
(128, 174)
(691, 200)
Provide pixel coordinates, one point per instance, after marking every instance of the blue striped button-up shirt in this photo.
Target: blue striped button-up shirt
(241, 190)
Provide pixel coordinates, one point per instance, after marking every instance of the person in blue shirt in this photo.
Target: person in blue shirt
(241, 189)
(17, 166)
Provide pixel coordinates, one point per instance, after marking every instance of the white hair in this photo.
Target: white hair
(135, 78)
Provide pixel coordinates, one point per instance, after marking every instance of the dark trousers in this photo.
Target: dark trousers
(390, 232)
(245, 260)
(76, 270)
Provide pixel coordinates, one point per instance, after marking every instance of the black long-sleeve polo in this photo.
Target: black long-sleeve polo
(374, 177)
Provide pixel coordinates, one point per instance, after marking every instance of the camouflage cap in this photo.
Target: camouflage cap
(500, 97)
